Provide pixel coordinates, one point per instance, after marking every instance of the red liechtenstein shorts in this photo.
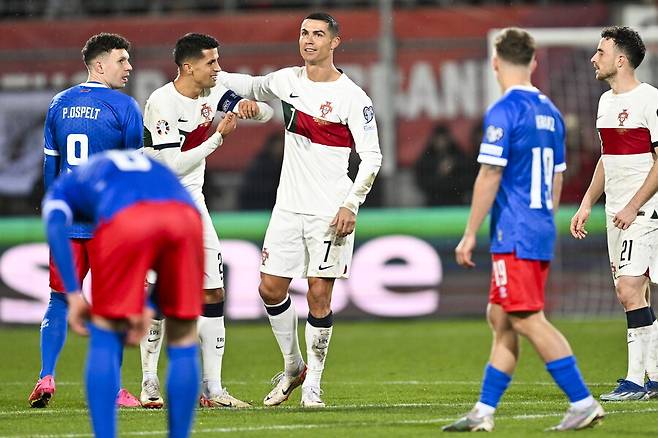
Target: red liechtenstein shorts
(517, 284)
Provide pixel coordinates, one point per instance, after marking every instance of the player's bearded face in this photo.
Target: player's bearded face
(315, 41)
(116, 68)
(205, 69)
(603, 60)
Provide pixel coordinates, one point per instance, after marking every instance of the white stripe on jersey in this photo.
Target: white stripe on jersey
(491, 149)
(488, 159)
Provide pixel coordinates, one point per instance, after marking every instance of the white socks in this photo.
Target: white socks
(283, 320)
(652, 353)
(149, 348)
(211, 341)
(317, 346)
(638, 345)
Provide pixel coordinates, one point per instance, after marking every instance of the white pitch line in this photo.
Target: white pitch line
(288, 408)
(274, 427)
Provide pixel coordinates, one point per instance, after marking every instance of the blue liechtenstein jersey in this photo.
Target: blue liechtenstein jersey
(524, 132)
(110, 182)
(82, 121)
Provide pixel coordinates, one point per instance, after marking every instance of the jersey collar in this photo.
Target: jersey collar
(522, 88)
(93, 85)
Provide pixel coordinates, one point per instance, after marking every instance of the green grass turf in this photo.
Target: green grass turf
(383, 378)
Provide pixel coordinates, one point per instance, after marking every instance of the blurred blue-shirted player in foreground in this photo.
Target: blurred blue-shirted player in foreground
(84, 120)
(144, 219)
(520, 179)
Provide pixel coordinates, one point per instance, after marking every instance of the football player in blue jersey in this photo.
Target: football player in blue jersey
(85, 119)
(144, 220)
(520, 179)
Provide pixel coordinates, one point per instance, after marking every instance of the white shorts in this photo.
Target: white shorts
(300, 246)
(634, 251)
(213, 270)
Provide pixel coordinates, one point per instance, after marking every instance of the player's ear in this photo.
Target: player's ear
(97, 66)
(495, 63)
(335, 42)
(533, 64)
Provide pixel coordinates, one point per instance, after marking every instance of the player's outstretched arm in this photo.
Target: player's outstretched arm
(593, 193)
(625, 217)
(484, 193)
(252, 110)
(252, 87)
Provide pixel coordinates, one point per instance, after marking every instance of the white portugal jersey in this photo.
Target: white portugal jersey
(323, 121)
(628, 127)
(174, 121)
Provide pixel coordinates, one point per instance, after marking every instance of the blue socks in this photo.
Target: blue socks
(183, 377)
(53, 333)
(494, 385)
(102, 378)
(566, 374)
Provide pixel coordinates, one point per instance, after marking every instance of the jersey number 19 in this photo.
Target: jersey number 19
(541, 158)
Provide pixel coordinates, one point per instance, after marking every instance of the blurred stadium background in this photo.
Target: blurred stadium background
(425, 65)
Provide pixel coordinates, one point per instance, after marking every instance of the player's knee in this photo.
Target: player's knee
(628, 295)
(212, 296)
(181, 332)
(526, 323)
(270, 294)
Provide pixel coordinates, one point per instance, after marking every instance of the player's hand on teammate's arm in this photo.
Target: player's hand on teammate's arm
(344, 222)
(78, 313)
(625, 217)
(578, 221)
(464, 251)
(227, 124)
(248, 109)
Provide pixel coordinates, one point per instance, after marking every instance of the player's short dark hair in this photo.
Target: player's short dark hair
(628, 42)
(103, 43)
(332, 24)
(191, 46)
(515, 46)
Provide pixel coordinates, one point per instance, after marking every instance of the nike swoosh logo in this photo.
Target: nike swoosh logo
(182, 121)
(623, 266)
(598, 117)
(152, 339)
(292, 96)
(322, 268)
(287, 390)
(219, 346)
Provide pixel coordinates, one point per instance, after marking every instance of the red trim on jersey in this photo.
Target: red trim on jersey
(322, 131)
(625, 141)
(196, 137)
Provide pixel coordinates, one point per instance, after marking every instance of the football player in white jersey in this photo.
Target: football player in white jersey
(627, 122)
(178, 126)
(310, 234)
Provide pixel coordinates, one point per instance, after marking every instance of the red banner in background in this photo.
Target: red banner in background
(441, 60)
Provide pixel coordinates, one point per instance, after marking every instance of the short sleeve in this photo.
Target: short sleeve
(495, 146)
(50, 147)
(559, 153)
(133, 126)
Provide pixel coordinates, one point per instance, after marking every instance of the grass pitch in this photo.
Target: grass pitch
(383, 378)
